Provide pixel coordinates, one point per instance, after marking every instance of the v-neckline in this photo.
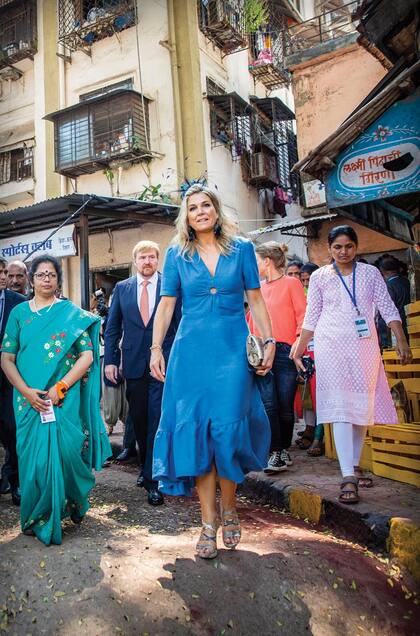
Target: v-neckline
(207, 269)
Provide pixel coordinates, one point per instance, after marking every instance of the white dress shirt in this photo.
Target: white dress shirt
(151, 290)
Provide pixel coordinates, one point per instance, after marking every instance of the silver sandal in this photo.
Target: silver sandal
(206, 547)
(231, 528)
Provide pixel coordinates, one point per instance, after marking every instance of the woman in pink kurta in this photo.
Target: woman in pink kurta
(352, 391)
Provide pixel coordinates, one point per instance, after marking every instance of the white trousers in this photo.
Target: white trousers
(348, 439)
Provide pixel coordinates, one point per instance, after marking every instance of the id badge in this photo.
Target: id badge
(311, 345)
(362, 327)
(48, 416)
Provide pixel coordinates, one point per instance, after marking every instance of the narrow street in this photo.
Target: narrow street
(130, 569)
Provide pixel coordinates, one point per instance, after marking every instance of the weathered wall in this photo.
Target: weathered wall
(327, 91)
(370, 242)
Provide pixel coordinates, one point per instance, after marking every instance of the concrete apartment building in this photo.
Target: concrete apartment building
(112, 97)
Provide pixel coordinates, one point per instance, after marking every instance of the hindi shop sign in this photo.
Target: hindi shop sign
(384, 161)
(60, 244)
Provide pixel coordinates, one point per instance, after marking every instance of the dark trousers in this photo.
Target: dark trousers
(129, 439)
(144, 396)
(8, 436)
(277, 391)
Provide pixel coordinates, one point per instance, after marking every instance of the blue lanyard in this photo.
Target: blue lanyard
(352, 295)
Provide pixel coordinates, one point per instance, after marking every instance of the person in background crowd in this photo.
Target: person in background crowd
(50, 353)
(313, 435)
(131, 317)
(17, 278)
(305, 274)
(286, 304)
(9, 481)
(351, 389)
(306, 398)
(399, 289)
(293, 268)
(213, 426)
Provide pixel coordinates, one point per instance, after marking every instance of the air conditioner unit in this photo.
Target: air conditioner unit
(263, 168)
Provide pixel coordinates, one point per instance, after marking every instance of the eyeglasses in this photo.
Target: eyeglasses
(43, 275)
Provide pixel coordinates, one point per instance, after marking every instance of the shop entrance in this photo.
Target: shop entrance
(108, 277)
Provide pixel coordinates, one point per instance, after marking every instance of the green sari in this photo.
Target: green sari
(56, 459)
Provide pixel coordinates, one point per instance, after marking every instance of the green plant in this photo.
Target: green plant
(154, 194)
(137, 143)
(109, 173)
(256, 14)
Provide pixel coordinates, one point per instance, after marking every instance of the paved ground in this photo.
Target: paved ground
(130, 570)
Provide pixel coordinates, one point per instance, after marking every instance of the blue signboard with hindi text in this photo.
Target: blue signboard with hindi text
(384, 161)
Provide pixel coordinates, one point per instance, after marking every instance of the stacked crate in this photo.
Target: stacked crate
(393, 451)
(396, 449)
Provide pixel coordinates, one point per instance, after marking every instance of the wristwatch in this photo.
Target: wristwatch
(269, 341)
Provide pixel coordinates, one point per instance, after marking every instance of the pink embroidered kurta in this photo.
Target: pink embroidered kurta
(351, 385)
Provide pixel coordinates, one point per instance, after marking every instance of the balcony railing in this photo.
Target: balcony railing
(325, 27)
(230, 123)
(223, 23)
(92, 134)
(17, 32)
(267, 52)
(83, 22)
(274, 148)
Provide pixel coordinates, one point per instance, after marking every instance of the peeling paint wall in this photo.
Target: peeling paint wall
(327, 91)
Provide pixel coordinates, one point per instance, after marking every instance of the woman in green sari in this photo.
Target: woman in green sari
(50, 353)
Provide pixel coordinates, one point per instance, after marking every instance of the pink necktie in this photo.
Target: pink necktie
(144, 303)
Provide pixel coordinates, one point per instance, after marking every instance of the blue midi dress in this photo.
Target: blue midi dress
(211, 409)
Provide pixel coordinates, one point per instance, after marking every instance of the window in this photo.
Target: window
(16, 165)
(83, 22)
(98, 130)
(230, 123)
(213, 88)
(106, 90)
(17, 32)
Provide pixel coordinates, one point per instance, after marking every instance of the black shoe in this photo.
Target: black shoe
(4, 486)
(126, 454)
(154, 497)
(28, 532)
(15, 490)
(76, 518)
(140, 480)
(275, 463)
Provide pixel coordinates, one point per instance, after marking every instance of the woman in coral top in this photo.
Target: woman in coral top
(286, 304)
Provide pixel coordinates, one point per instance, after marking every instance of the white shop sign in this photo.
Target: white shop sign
(60, 244)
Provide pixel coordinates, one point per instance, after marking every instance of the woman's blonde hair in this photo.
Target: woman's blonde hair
(275, 251)
(228, 225)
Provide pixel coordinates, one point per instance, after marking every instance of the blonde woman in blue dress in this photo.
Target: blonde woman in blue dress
(213, 426)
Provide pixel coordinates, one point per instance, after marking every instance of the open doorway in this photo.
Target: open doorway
(108, 277)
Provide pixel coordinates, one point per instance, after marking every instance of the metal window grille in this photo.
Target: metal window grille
(18, 35)
(267, 48)
(113, 127)
(16, 165)
(230, 123)
(107, 90)
(223, 23)
(274, 150)
(83, 22)
(213, 88)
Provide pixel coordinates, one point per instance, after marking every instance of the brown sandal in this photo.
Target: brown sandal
(315, 451)
(362, 480)
(353, 492)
